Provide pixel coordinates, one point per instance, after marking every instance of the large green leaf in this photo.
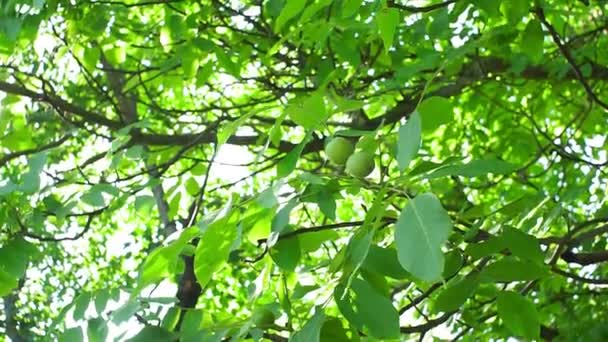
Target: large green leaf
(435, 111)
(369, 309)
(532, 40)
(519, 315)
(422, 229)
(215, 245)
(308, 112)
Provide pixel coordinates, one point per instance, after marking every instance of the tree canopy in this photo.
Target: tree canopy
(164, 175)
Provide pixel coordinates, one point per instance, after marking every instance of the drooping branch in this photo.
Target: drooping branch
(566, 53)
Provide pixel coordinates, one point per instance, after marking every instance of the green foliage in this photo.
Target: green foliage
(147, 146)
(422, 229)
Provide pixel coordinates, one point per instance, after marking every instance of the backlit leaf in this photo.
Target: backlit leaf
(422, 229)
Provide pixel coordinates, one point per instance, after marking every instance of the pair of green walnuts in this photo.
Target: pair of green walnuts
(341, 151)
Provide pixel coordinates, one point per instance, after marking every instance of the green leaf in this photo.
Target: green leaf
(162, 262)
(281, 219)
(312, 241)
(453, 263)
(350, 7)
(519, 315)
(144, 204)
(291, 9)
(192, 186)
(369, 309)
(515, 10)
(523, 245)
(7, 283)
(286, 253)
(492, 8)
(308, 112)
(81, 303)
(12, 27)
(214, 246)
(152, 334)
(286, 166)
(493, 245)
(421, 230)
(72, 335)
(532, 41)
(454, 296)
(93, 197)
(101, 300)
(97, 330)
(434, 112)
(227, 130)
(474, 168)
(311, 331)
(116, 55)
(125, 312)
(409, 141)
(90, 57)
(327, 203)
(384, 261)
(333, 330)
(15, 256)
(509, 269)
(387, 21)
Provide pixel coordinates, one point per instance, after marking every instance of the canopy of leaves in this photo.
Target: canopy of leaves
(162, 173)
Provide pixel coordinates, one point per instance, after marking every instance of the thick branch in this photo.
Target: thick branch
(90, 117)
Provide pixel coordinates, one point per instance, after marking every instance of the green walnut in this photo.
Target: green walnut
(360, 164)
(338, 150)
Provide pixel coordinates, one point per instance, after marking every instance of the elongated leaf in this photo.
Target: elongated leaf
(532, 41)
(519, 315)
(369, 309)
(510, 269)
(422, 229)
(387, 21)
(523, 245)
(455, 295)
(311, 331)
(286, 166)
(409, 141)
(291, 9)
(474, 168)
(227, 130)
(97, 330)
(214, 247)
